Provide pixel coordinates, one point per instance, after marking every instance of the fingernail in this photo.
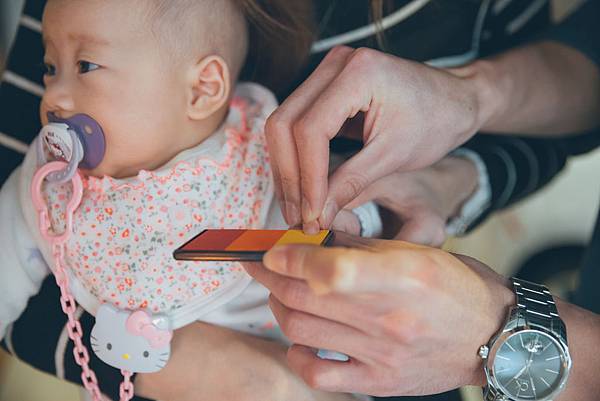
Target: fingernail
(311, 228)
(308, 214)
(329, 213)
(292, 214)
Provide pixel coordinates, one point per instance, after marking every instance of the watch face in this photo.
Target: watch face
(529, 365)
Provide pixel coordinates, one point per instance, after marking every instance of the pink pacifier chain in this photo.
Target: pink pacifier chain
(58, 245)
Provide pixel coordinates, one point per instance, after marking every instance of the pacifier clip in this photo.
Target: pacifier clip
(79, 142)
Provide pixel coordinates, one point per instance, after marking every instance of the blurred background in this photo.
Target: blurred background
(541, 238)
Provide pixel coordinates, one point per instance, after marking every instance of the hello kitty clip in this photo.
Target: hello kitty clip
(132, 341)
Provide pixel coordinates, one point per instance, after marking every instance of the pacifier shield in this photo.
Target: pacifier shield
(90, 135)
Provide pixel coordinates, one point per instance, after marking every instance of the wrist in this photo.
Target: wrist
(455, 181)
(489, 86)
(492, 308)
(504, 300)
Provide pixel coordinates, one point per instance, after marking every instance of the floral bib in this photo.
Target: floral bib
(125, 230)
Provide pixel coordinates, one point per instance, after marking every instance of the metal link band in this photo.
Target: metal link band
(537, 307)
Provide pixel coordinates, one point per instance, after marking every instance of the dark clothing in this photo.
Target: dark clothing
(587, 295)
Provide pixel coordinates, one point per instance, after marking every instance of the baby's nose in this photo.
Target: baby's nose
(58, 97)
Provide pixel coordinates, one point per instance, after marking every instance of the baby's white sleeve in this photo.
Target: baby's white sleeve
(22, 266)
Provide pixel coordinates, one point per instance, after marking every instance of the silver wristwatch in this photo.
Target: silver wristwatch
(529, 358)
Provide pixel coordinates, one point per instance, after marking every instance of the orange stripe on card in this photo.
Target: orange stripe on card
(256, 240)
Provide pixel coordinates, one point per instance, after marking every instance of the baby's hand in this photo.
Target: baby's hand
(347, 222)
(364, 220)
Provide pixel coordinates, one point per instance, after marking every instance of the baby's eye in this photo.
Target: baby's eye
(49, 69)
(86, 66)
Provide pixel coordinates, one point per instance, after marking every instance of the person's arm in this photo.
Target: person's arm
(540, 89)
(583, 330)
(410, 317)
(551, 87)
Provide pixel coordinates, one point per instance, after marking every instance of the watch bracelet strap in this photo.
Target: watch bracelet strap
(537, 307)
(490, 394)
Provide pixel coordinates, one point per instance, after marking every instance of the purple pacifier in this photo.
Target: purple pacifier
(78, 140)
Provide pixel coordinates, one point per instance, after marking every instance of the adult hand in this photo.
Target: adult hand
(416, 205)
(410, 116)
(214, 363)
(410, 317)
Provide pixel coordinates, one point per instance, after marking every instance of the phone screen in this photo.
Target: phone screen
(242, 244)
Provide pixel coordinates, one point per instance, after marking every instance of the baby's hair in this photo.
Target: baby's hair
(278, 39)
(280, 33)
(198, 28)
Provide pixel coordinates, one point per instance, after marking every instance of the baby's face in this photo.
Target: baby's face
(102, 60)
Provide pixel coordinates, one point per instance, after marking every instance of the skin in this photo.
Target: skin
(410, 317)
(260, 372)
(411, 115)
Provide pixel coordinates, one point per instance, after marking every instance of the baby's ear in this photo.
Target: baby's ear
(209, 87)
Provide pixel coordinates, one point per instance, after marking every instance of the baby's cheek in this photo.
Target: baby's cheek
(136, 139)
(43, 114)
(123, 154)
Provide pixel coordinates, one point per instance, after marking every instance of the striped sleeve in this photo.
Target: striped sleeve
(519, 166)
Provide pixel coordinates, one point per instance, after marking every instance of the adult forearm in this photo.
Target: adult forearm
(544, 88)
(583, 331)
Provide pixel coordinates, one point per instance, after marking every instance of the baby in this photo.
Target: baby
(167, 145)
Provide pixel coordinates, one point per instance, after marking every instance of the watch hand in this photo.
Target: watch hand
(533, 387)
(519, 373)
(530, 359)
